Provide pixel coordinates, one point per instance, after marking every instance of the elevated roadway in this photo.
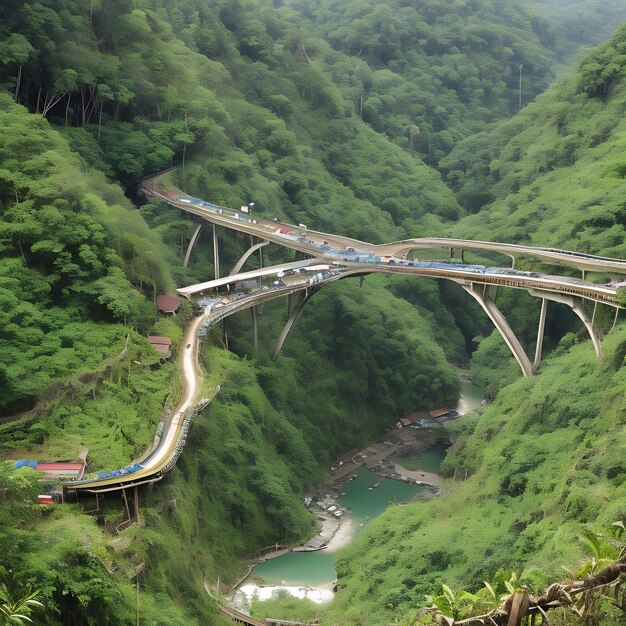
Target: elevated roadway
(344, 256)
(311, 240)
(155, 464)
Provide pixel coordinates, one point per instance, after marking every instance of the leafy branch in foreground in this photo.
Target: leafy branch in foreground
(599, 579)
(16, 604)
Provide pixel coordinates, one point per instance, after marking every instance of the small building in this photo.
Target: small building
(163, 345)
(435, 413)
(167, 303)
(66, 470)
(412, 418)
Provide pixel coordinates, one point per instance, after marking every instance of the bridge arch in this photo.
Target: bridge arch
(484, 294)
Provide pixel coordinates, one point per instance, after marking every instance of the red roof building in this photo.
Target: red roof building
(163, 345)
(74, 470)
(168, 304)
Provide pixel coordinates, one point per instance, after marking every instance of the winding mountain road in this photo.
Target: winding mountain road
(346, 257)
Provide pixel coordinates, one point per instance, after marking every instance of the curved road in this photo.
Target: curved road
(158, 458)
(265, 229)
(342, 253)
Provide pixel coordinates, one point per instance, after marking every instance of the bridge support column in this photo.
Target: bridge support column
(615, 318)
(192, 243)
(294, 313)
(216, 254)
(300, 256)
(254, 327)
(453, 250)
(246, 256)
(484, 295)
(540, 333)
(576, 304)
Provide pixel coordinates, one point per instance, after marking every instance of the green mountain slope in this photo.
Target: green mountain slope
(251, 105)
(75, 255)
(553, 175)
(545, 458)
(428, 74)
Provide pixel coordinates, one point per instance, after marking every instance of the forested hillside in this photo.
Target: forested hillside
(543, 460)
(584, 22)
(431, 73)
(553, 175)
(547, 457)
(334, 114)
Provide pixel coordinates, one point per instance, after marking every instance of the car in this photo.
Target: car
(350, 249)
(289, 272)
(279, 283)
(189, 345)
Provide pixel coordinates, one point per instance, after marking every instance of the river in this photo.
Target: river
(310, 574)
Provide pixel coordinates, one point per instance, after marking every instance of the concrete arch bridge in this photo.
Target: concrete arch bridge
(331, 258)
(354, 257)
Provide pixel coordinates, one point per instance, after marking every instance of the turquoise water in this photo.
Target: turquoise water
(430, 460)
(297, 568)
(316, 568)
(472, 394)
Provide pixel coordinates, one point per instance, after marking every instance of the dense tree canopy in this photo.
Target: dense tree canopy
(334, 114)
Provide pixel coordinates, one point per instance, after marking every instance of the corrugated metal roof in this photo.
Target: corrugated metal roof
(47, 467)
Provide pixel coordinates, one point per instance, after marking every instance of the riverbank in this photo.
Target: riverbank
(358, 493)
(379, 457)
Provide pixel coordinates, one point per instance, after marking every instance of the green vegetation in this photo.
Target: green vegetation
(544, 458)
(333, 114)
(17, 604)
(431, 73)
(553, 173)
(283, 603)
(75, 259)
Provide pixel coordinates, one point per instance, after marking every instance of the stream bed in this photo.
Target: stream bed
(311, 574)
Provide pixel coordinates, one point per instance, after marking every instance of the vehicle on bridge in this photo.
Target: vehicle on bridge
(367, 259)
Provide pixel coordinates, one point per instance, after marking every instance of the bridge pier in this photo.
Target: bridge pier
(246, 255)
(540, 333)
(216, 253)
(615, 318)
(294, 313)
(576, 304)
(254, 327)
(192, 243)
(486, 298)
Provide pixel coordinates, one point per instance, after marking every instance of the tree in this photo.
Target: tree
(117, 294)
(16, 50)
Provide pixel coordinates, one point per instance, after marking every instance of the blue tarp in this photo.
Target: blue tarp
(25, 463)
